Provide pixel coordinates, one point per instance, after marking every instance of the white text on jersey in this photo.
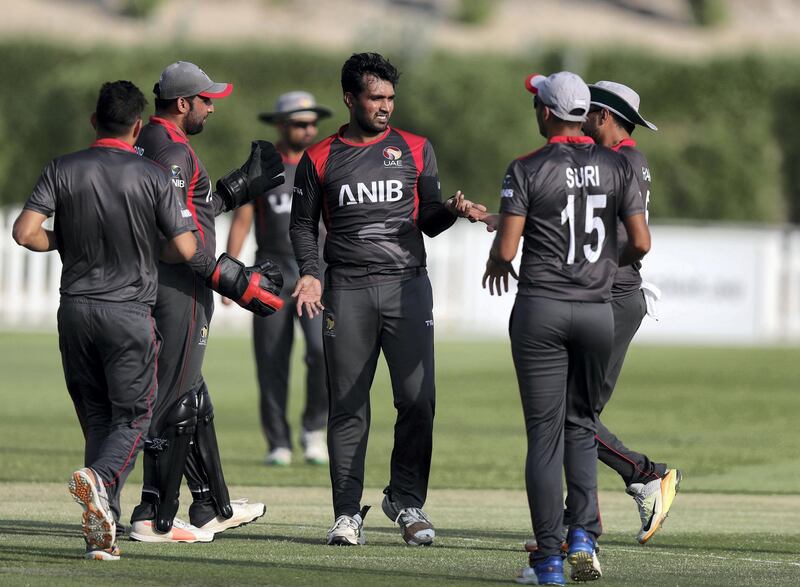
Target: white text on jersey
(578, 177)
(378, 191)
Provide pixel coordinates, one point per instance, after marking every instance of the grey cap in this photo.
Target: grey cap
(565, 93)
(292, 104)
(621, 100)
(182, 79)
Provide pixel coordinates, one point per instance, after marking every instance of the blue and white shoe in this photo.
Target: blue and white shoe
(582, 556)
(548, 572)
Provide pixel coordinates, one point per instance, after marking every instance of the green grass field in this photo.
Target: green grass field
(725, 416)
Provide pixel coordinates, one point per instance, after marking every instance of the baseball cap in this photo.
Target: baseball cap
(565, 93)
(294, 104)
(619, 99)
(182, 79)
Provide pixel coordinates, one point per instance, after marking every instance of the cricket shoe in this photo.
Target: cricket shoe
(279, 457)
(582, 556)
(654, 500)
(548, 572)
(315, 449)
(104, 554)
(416, 525)
(243, 513)
(348, 530)
(145, 531)
(98, 525)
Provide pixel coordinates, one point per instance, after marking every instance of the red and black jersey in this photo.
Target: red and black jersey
(376, 199)
(165, 143)
(572, 193)
(628, 279)
(110, 208)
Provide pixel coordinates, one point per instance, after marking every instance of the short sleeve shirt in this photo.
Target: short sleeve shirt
(571, 193)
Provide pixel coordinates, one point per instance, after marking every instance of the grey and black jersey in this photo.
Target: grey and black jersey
(272, 212)
(109, 206)
(628, 280)
(571, 193)
(166, 144)
(376, 199)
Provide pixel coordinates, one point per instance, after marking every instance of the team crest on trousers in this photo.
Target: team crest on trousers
(203, 335)
(330, 326)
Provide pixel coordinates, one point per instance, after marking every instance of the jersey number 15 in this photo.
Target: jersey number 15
(591, 224)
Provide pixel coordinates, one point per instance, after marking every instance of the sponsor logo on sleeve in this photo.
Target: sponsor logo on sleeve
(138, 150)
(177, 181)
(507, 191)
(392, 157)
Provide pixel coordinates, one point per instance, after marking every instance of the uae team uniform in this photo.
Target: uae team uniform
(629, 307)
(273, 337)
(182, 428)
(111, 208)
(376, 199)
(571, 192)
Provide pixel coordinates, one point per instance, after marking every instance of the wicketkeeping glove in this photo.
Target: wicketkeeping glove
(255, 288)
(262, 171)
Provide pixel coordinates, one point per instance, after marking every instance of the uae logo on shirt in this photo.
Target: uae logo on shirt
(175, 169)
(392, 157)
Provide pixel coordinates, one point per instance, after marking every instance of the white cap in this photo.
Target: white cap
(565, 93)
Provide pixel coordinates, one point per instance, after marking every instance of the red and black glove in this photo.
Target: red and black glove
(255, 288)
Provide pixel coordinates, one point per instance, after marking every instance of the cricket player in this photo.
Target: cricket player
(182, 438)
(377, 190)
(612, 117)
(564, 201)
(295, 118)
(111, 207)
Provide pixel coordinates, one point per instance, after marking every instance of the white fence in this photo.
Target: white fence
(720, 284)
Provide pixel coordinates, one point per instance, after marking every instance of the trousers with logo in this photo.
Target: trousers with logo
(561, 351)
(396, 318)
(273, 338)
(632, 466)
(108, 351)
(183, 312)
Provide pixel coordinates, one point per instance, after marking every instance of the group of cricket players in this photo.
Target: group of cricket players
(339, 226)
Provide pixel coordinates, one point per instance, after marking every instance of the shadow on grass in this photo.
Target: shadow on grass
(38, 528)
(197, 562)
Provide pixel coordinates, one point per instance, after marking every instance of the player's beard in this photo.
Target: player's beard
(193, 123)
(368, 124)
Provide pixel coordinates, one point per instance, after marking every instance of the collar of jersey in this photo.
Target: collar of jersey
(372, 142)
(112, 144)
(629, 142)
(566, 139)
(175, 133)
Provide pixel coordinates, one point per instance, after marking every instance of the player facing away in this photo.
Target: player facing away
(377, 190)
(111, 207)
(564, 200)
(182, 438)
(295, 118)
(612, 117)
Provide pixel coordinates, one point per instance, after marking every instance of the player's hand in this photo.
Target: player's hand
(262, 171)
(497, 273)
(492, 221)
(256, 289)
(464, 208)
(308, 294)
(226, 301)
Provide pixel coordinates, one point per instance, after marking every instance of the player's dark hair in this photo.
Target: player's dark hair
(622, 123)
(119, 105)
(166, 104)
(359, 64)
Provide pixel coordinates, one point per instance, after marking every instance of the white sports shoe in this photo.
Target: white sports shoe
(654, 500)
(315, 449)
(348, 530)
(243, 513)
(279, 457)
(145, 531)
(98, 526)
(416, 525)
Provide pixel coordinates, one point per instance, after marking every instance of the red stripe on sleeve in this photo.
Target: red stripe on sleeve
(319, 154)
(416, 144)
(190, 195)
